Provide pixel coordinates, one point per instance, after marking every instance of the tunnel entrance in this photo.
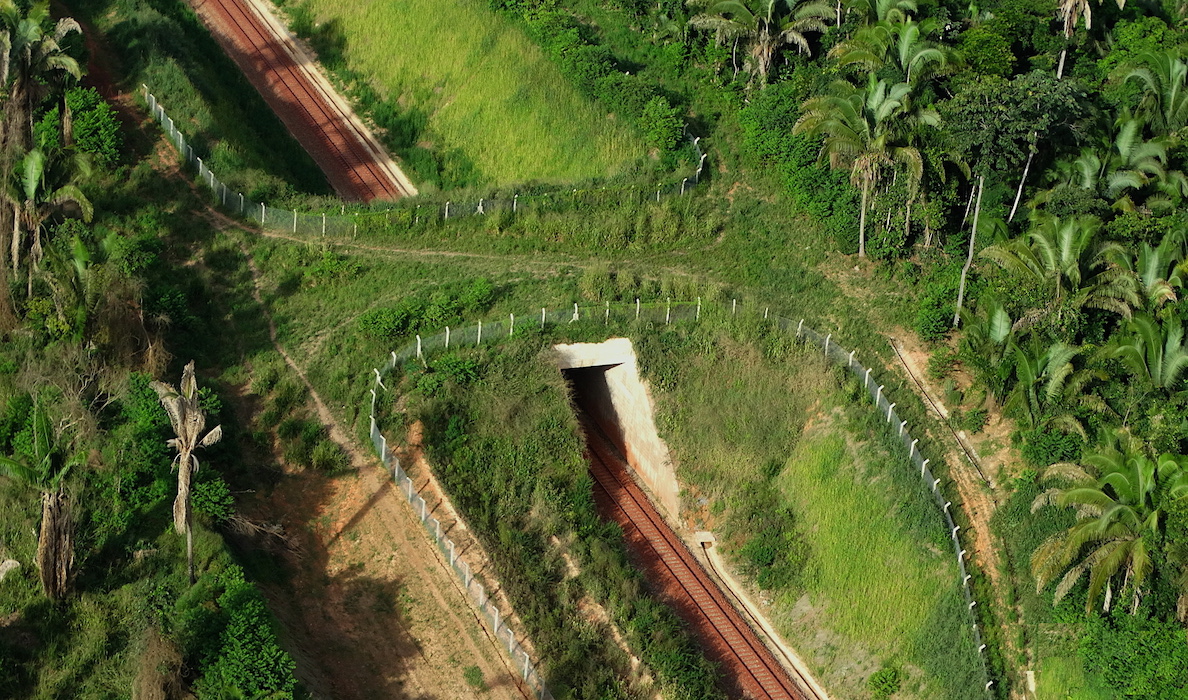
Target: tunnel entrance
(615, 413)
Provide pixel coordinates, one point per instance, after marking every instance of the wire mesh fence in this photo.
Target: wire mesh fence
(349, 220)
(654, 315)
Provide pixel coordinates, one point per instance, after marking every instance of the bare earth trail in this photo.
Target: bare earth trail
(378, 605)
(322, 122)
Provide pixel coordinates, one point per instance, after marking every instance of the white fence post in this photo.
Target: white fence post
(511, 326)
(668, 311)
(479, 339)
(542, 318)
(636, 308)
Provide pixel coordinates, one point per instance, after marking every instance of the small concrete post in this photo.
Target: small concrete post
(866, 382)
(453, 555)
(827, 339)
(934, 485)
(961, 555)
(511, 325)
(923, 466)
(479, 339)
(423, 513)
(576, 316)
(879, 394)
(408, 487)
(355, 233)
(481, 209)
(799, 327)
(971, 607)
(734, 307)
(668, 311)
(323, 223)
(683, 185)
(947, 504)
(698, 317)
(447, 337)
(542, 318)
(902, 427)
(889, 410)
(606, 321)
(241, 209)
(912, 452)
(263, 213)
(765, 310)
(851, 364)
(342, 211)
(419, 357)
(294, 221)
(439, 531)
(515, 203)
(526, 665)
(636, 308)
(955, 527)
(495, 612)
(966, 579)
(466, 575)
(657, 196)
(447, 211)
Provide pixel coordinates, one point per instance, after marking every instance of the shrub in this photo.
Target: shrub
(95, 129)
(328, 456)
(661, 125)
(885, 682)
(973, 420)
(212, 497)
(1042, 447)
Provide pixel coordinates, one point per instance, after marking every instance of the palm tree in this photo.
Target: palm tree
(33, 55)
(45, 469)
(867, 130)
(1119, 494)
(1163, 76)
(44, 186)
(1126, 163)
(1064, 255)
(766, 25)
(1160, 270)
(1049, 388)
(873, 11)
(189, 422)
(1155, 353)
(1070, 13)
(988, 344)
(904, 44)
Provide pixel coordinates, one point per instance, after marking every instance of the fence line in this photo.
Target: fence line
(657, 313)
(408, 212)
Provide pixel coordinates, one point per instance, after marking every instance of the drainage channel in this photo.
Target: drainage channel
(747, 665)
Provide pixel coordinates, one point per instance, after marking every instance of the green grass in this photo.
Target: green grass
(1064, 678)
(486, 89)
(757, 426)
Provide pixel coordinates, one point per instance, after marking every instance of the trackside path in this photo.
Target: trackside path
(354, 163)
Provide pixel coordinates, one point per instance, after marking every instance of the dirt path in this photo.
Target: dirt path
(317, 117)
(378, 610)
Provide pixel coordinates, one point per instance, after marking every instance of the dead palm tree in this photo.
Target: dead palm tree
(44, 468)
(189, 422)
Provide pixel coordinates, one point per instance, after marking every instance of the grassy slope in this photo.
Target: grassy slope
(877, 586)
(488, 90)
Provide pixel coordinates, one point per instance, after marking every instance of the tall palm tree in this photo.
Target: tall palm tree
(1065, 256)
(1155, 352)
(904, 44)
(867, 130)
(1160, 270)
(189, 422)
(1070, 13)
(1163, 76)
(44, 185)
(766, 25)
(1126, 163)
(1120, 495)
(45, 468)
(32, 57)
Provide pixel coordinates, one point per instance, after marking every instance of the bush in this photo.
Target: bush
(885, 682)
(212, 497)
(1042, 447)
(661, 125)
(1138, 656)
(95, 129)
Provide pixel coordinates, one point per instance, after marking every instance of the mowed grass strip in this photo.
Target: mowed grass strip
(488, 89)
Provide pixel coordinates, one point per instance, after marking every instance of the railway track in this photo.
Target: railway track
(697, 599)
(314, 118)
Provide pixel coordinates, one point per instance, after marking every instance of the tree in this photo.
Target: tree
(873, 11)
(188, 421)
(867, 130)
(1164, 80)
(1155, 352)
(44, 185)
(1125, 163)
(1065, 256)
(1120, 495)
(1049, 387)
(905, 45)
(45, 468)
(1070, 13)
(766, 25)
(1160, 270)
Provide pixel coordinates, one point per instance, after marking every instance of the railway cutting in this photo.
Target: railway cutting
(319, 119)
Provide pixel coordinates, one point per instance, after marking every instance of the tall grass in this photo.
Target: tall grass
(486, 89)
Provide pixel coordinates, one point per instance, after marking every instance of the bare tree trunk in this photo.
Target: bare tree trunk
(862, 222)
(973, 190)
(839, 14)
(1060, 68)
(55, 544)
(734, 57)
(1022, 181)
(973, 235)
(190, 545)
(907, 223)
